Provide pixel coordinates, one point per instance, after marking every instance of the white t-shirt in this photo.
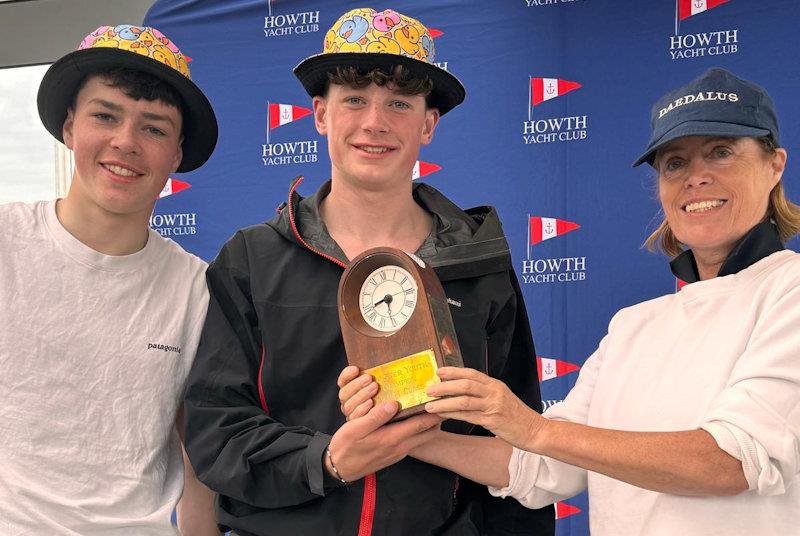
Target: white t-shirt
(94, 354)
(722, 355)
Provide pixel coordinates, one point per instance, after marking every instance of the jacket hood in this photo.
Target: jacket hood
(464, 243)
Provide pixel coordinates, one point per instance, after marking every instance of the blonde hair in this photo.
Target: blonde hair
(783, 212)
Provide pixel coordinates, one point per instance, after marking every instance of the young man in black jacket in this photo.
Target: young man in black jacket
(264, 421)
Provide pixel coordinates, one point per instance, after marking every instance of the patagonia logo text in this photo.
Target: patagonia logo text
(164, 347)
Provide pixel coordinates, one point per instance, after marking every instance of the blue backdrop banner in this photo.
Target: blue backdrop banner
(557, 108)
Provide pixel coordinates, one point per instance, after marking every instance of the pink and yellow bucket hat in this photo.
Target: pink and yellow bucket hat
(139, 48)
(367, 39)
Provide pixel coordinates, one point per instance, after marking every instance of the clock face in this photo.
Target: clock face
(388, 298)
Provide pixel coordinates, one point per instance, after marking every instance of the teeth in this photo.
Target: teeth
(119, 170)
(702, 206)
(374, 150)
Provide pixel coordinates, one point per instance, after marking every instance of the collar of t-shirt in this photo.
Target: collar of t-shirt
(759, 242)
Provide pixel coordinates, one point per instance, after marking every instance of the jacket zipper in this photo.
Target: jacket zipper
(370, 481)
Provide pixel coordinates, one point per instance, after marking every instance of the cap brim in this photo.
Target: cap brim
(698, 128)
(62, 79)
(448, 91)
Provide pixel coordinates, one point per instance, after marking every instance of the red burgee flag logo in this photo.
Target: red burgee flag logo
(543, 89)
(687, 8)
(173, 186)
(553, 368)
(422, 169)
(281, 114)
(565, 510)
(542, 229)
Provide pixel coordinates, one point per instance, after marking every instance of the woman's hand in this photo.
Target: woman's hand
(474, 397)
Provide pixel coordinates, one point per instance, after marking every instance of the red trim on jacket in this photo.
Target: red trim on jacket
(260, 383)
(370, 481)
(368, 505)
(297, 234)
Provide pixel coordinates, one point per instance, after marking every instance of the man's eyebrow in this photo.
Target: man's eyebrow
(108, 104)
(158, 117)
(147, 115)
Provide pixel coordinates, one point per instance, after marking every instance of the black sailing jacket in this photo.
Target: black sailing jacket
(262, 399)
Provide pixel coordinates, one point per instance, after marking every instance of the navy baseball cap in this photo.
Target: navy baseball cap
(717, 103)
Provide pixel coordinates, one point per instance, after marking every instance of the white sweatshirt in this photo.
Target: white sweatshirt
(722, 355)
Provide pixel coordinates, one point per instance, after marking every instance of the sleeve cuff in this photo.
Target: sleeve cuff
(739, 445)
(513, 473)
(536, 481)
(314, 463)
(319, 480)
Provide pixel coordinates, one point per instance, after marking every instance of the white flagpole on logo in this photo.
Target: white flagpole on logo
(677, 15)
(269, 7)
(269, 122)
(529, 234)
(530, 83)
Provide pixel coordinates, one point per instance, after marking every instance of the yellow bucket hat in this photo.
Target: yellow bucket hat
(139, 48)
(367, 39)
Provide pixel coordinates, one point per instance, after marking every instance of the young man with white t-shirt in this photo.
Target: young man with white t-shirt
(101, 315)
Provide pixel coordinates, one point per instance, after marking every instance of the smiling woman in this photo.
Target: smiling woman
(714, 190)
(719, 165)
(784, 213)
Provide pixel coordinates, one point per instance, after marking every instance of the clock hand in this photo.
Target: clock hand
(386, 299)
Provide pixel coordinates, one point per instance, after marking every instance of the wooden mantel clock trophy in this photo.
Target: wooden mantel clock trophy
(396, 325)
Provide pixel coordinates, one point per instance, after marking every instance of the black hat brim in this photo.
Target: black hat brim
(62, 79)
(448, 91)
